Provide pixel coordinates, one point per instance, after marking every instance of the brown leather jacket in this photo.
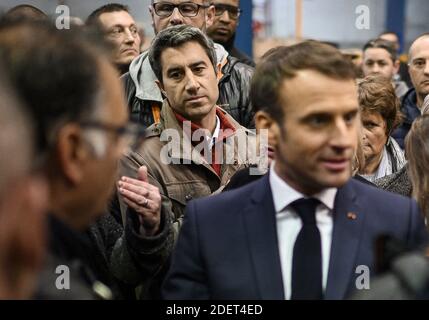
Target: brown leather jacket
(194, 177)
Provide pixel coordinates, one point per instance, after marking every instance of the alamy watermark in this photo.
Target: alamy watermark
(363, 20)
(62, 282)
(363, 279)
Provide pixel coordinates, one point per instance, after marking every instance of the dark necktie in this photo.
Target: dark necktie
(307, 254)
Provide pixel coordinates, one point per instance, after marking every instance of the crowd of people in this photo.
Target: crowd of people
(188, 171)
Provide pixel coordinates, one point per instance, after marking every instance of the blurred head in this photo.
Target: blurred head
(23, 197)
(305, 96)
(419, 67)
(80, 125)
(184, 61)
(379, 58)
(391, 37)
(26, 11)
(195, 13)
(380, 115)
(417, 151)
(120, 29)
(227, 13)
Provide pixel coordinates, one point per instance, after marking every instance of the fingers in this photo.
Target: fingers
(138, 190)
(142, 174)
(141, 199)
(139, 204)
(138, 183)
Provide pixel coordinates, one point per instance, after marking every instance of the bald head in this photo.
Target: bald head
(422, 40)
(419, 67)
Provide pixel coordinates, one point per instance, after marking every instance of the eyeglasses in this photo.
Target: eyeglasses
(131, 135)
(186, 9)
(234, 12)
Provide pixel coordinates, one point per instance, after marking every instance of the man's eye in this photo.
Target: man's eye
(198, 70)
(349, 118)
(188, 8)
(175, 75)
(134, 31)
(317, 120)
(166, 7)
(115, 31)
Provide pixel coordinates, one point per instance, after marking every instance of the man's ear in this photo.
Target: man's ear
(210, 16)
(71, 153)
(218, 71)
(396, 66)
(264, 121)
(161, 88)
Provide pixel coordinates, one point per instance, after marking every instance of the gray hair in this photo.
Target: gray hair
(177, 36)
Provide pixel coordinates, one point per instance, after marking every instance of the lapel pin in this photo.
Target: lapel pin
(352, 216)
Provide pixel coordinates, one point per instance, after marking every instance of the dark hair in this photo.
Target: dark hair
(283, 63)
(388, 32)
(55, 73)
(26, 11)
(417, 151)
(382, 44)
(376, 94)
(204, 1)
(93, 20)
(174, 37)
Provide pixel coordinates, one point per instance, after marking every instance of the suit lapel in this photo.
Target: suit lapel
(348, 227)
(260, 223)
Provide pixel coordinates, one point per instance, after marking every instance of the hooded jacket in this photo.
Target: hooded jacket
(143, 95)
(410, 111)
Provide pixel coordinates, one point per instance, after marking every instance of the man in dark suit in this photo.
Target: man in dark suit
(305, 230)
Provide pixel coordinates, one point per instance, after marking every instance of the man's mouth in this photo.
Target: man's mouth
(129, 50)
(195, 99)
(337, 165)
(222, 31)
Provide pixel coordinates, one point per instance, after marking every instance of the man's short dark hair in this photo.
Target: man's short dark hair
(388, 32)
(175, 37)
(93, 18)
(283, 63)
(382, 44)
(56, 73)
(26, 11)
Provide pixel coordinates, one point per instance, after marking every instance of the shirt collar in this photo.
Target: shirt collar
(284, 194)
(215, 134)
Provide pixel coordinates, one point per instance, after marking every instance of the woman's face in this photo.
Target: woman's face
(374, 135)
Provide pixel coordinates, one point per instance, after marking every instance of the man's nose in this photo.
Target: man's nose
(129, 37)
(375, 68)
(426, 69)
(225, 17)
(192, 84)
(176, 17)
(343, 135)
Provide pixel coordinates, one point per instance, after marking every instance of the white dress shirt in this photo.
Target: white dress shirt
(212, 139)
(289, 225)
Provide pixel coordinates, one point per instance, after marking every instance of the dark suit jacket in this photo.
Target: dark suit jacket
(228, 248)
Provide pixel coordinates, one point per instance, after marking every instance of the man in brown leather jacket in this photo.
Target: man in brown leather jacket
(196, 147)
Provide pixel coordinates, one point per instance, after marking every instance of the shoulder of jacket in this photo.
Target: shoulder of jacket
(236, 64)
(154, 130)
